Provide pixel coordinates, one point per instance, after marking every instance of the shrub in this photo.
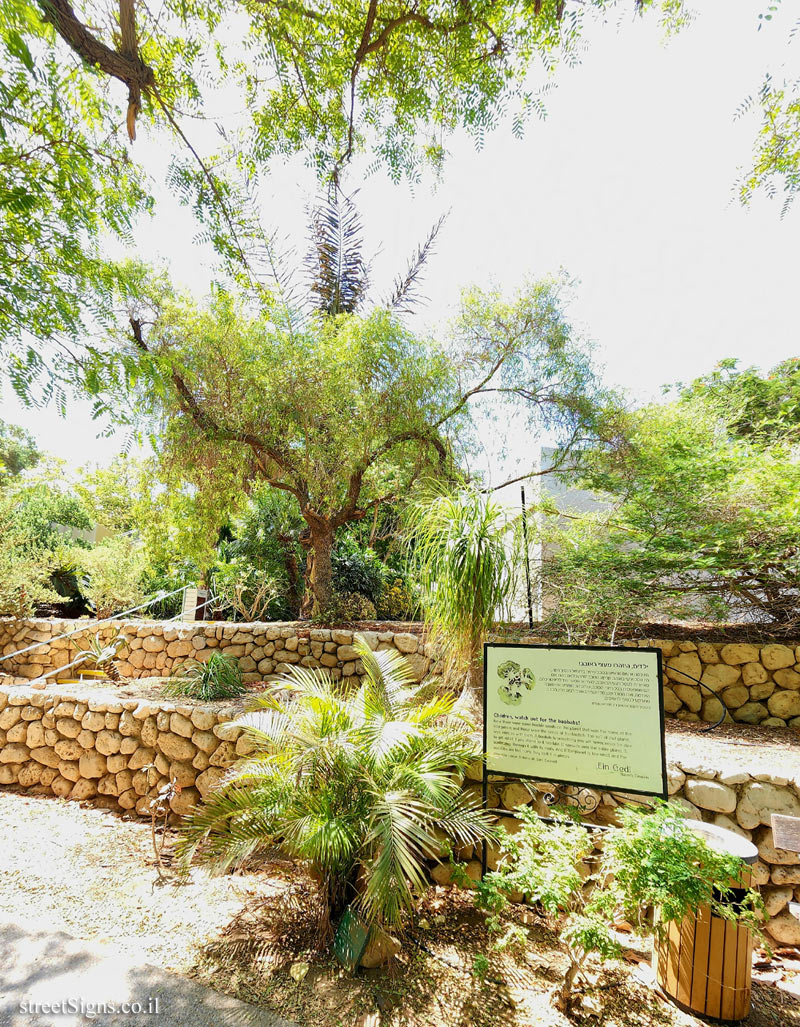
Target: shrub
(356, 569)
(652, 861)
(396, 601)
(347, 606)
(245, 590)
(219, 677)
(112, 574)
(363, 785)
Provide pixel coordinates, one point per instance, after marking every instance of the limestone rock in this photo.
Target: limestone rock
(787, 679)
(785, 875)
(760, 799)
(776, 899)
(175, 747)
(711, 795)
(93, 765)
(29, 774)
(739, 653)
(68, 727)
(224, 755)
(769, 854)
(15, 754)
(735, 696)
(83, 790)
(45, 755)
(730, 825)
(184, 801)
(784, 704)
(141, 758)
(675, 779)
(685, 669)
(754, 674)
(775, 657)
(751, 713)
(784, 928)
(719, 676)
(689, 696)
(209, 780)
(381, 948)
(180, 725)
(671, 702)
(183, 774)
(203, 720)
(108, 742)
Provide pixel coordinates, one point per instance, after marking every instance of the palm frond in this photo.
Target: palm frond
(402, 298)
(337, 273)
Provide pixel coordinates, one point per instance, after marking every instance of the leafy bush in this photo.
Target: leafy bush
(356, 569)
(652, 861)
(245, 590)
(347, 606)
(396, 601)
(362, 784)
(219, 677)
(112, 576)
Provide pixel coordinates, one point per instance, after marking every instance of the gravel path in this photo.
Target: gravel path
(91, 874)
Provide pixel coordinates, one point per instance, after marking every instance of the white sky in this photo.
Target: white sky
(628, 185)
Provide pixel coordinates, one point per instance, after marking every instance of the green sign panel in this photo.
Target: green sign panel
(350, 940)
(576, 715)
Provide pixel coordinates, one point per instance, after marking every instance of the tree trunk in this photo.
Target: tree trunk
(321, 578)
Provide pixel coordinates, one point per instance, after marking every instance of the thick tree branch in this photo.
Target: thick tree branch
(124, 65)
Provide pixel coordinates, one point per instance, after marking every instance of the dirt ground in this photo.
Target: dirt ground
(92, 873)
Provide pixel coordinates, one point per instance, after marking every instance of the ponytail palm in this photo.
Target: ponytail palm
(462, 549)
(363, 784)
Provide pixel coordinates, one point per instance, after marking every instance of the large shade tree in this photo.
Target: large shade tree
(78, 80)
(340, 409)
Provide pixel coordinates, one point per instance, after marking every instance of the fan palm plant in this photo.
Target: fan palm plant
(462, 549)
(364, 785)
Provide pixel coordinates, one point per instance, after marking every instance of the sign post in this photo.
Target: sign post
(588, 716)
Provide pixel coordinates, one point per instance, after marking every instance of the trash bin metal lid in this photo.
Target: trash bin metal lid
(722, 840)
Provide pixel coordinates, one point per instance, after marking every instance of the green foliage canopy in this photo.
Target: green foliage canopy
(704, 508)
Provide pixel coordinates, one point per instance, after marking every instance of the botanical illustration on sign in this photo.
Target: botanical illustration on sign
(515, 679)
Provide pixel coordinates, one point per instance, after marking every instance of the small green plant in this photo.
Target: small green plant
(100, 654)
(219, 677)
(653, 861)
(363, 784)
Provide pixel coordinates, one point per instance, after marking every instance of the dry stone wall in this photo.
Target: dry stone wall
(738, 800)
(156, 648)
(119, 753)
(759, 683)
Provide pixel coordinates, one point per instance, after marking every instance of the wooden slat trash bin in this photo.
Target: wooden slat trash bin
(704, 962)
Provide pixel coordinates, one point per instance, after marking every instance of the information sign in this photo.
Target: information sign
(585, 715)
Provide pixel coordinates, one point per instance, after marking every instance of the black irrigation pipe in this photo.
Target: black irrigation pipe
(725, 708)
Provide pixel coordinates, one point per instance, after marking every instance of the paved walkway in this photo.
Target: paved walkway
(86, 983)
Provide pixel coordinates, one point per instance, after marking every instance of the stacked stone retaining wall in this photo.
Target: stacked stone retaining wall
(759, 683)
(156, 648)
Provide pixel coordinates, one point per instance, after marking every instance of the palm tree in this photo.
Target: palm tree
(363, 784)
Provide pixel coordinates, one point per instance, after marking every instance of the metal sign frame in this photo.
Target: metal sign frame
(507, 775)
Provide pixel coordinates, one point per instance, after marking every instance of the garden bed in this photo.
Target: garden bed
(243, 934)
